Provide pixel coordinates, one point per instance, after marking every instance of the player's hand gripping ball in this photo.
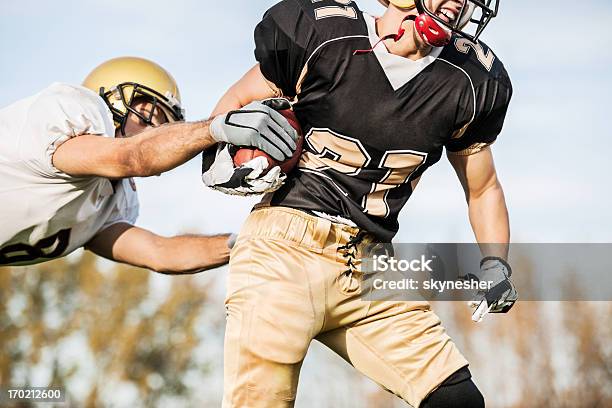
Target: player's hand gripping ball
(244, 168)
(243, 155)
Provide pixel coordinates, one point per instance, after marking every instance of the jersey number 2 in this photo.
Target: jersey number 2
(335, 11)
(487, 59)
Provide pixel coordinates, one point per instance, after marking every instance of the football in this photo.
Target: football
(244, 154)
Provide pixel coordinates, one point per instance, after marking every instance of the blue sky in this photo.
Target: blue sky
(552, 156)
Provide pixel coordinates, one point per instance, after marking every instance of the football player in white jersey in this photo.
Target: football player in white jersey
(67, 155)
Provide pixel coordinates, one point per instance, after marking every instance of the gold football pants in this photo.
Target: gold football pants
(291, 281)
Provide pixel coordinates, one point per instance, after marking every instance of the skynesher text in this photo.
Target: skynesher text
(431, 284)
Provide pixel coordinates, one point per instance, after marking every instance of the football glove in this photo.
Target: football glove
(219, 173)
(501, 296)
(257, 125)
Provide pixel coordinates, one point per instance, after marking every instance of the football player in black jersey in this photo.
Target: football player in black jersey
(379, 99)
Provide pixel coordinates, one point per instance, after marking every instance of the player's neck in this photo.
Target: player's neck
(410, 45)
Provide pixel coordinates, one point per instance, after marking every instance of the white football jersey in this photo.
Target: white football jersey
(45, 213)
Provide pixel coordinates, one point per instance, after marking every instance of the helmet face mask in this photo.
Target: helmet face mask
(478, 12)
(123, 98)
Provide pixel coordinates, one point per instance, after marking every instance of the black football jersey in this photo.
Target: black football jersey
(373, 122)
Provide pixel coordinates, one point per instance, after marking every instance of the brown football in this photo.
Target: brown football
(244, 154)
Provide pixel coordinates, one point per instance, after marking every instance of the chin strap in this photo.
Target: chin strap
(395, 37)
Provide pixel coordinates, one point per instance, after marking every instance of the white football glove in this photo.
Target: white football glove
(502, 295)
(259, 125)
(220, 174)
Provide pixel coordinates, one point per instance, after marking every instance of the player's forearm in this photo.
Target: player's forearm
(490, 222)
(231, 100)
(251, 87)
(160, 149)
(190, 253)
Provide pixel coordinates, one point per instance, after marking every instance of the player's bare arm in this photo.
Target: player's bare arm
(183, 254)
(489, 219)
(151, 152)
(485, 198)
(253, 86)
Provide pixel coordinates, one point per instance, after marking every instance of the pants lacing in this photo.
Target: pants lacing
(349, 252)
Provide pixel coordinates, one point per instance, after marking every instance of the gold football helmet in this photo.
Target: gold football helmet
(123, 82)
